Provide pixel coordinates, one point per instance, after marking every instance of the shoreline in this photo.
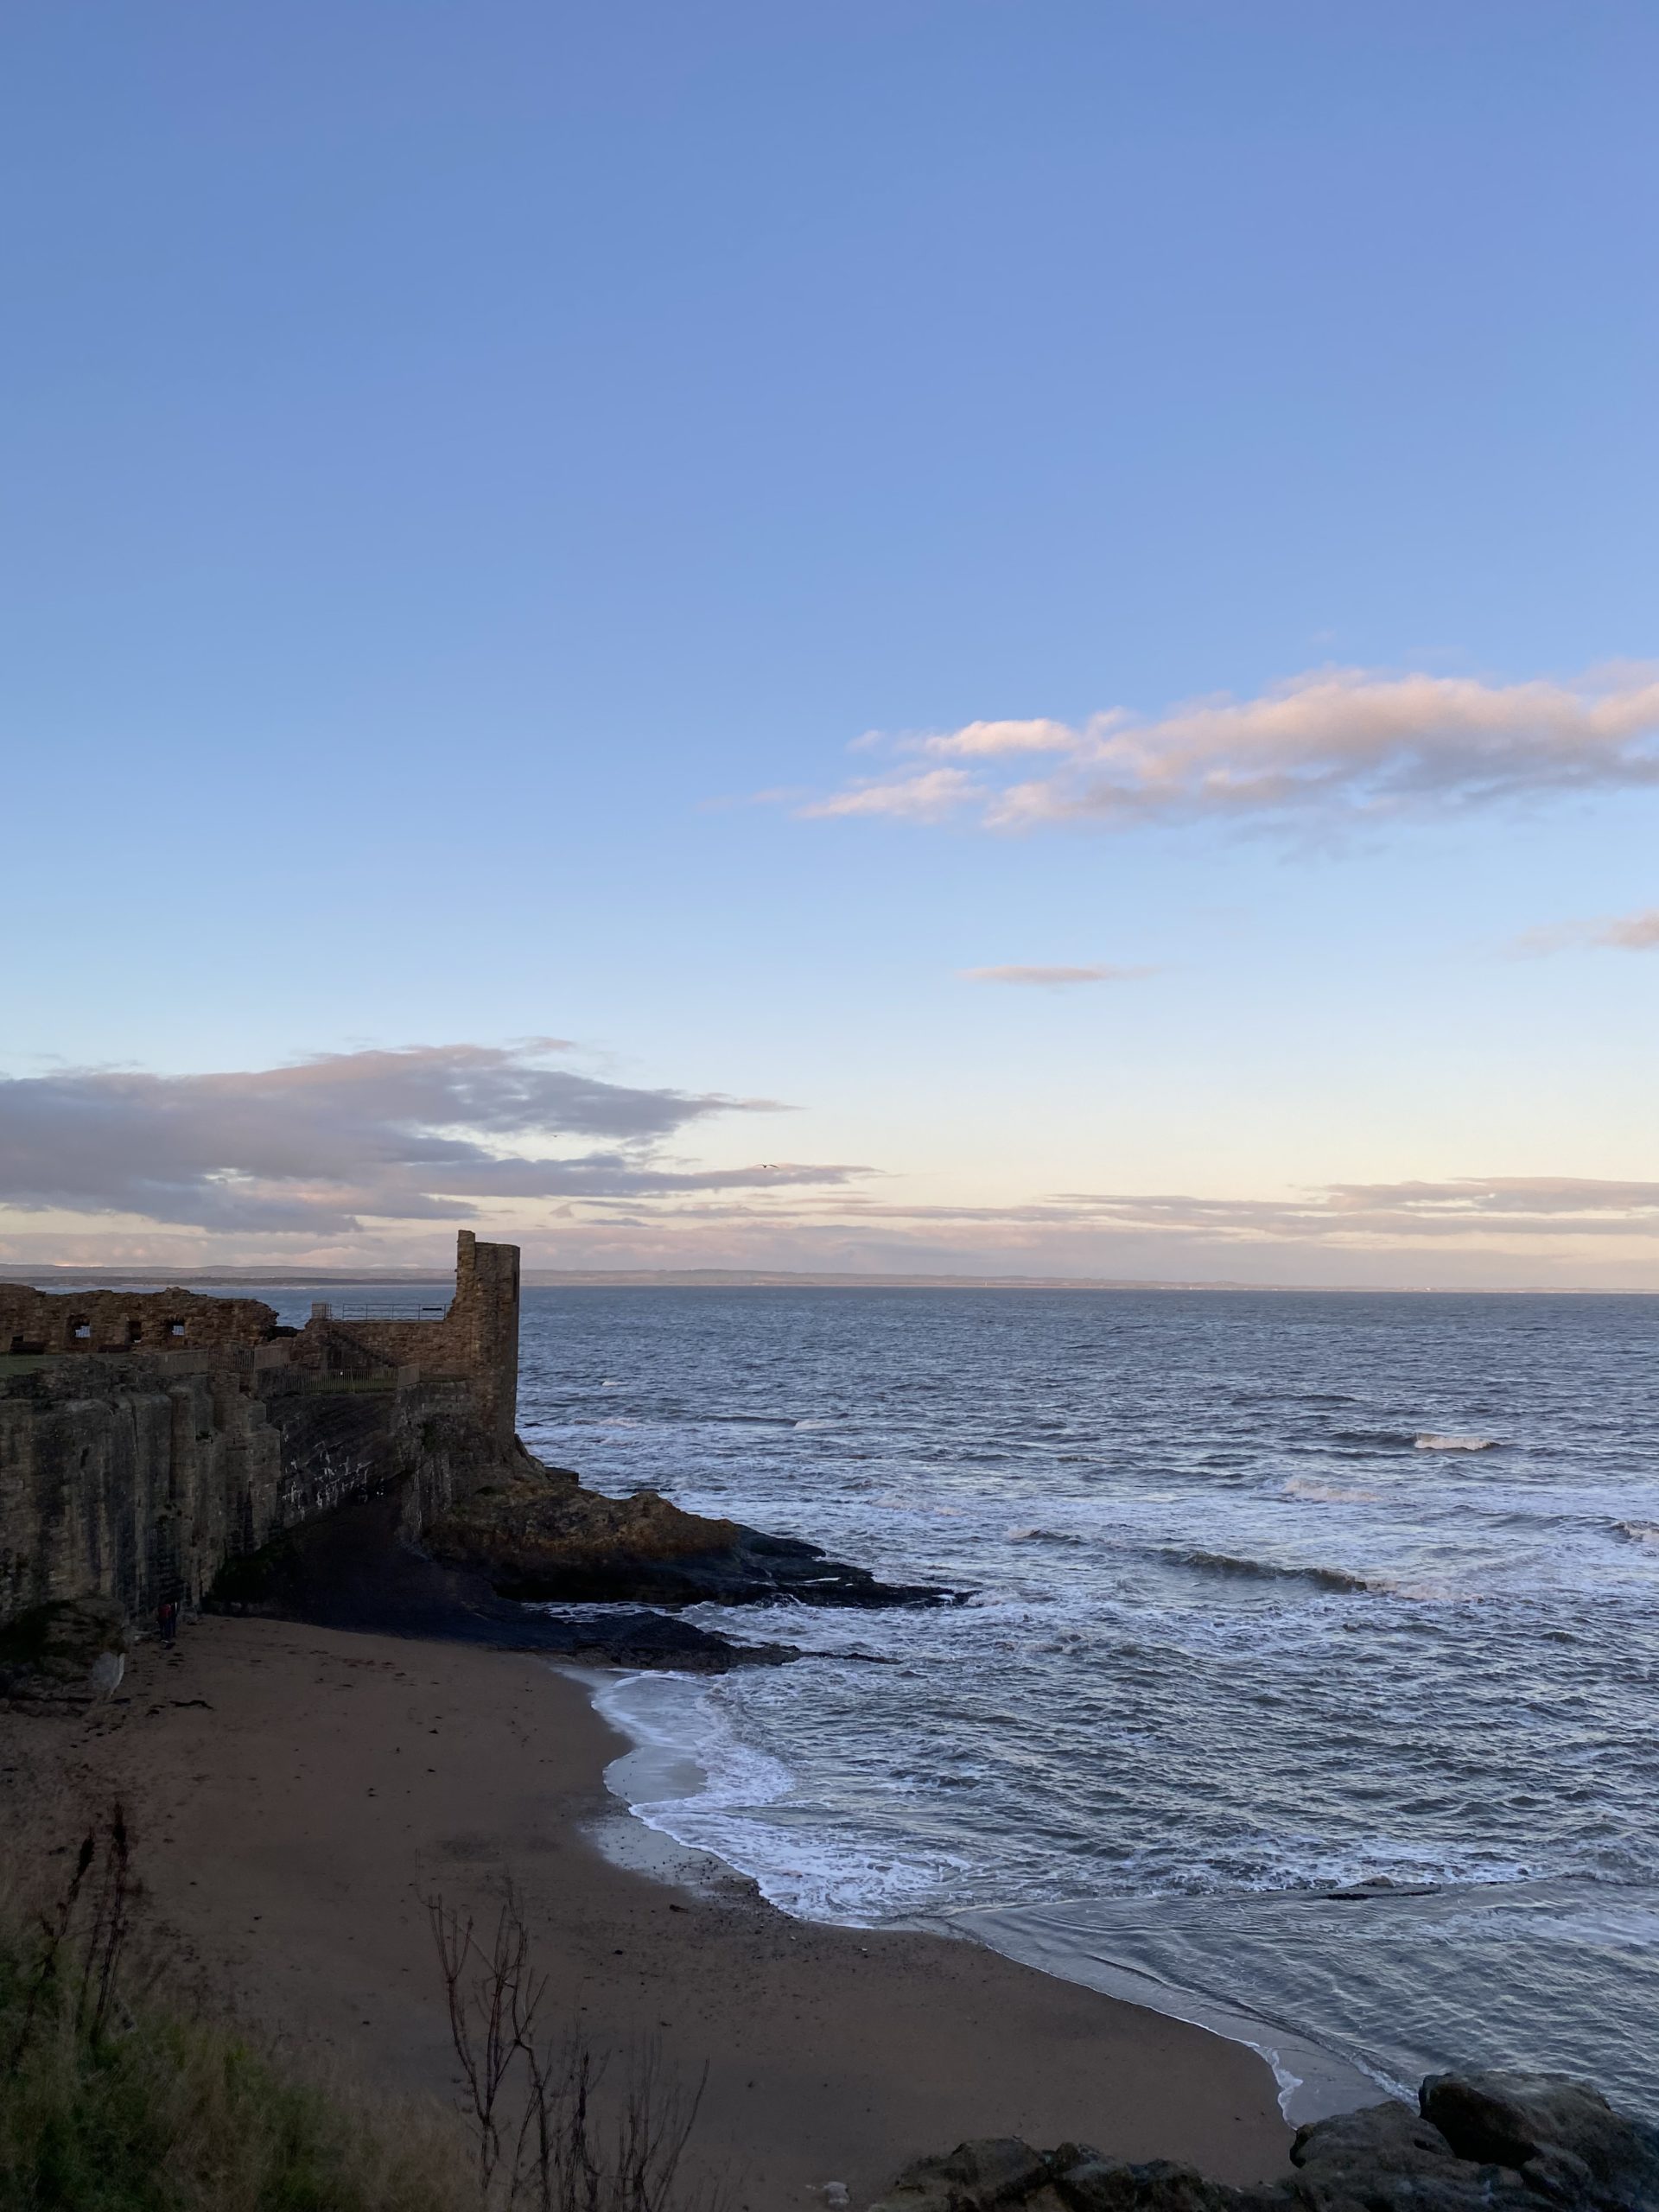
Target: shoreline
(297, 1790)
(1312, 2082)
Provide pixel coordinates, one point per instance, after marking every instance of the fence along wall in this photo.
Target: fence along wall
(475, 1341)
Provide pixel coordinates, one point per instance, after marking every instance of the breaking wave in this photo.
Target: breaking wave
(1430, 1440)
(1324, 1578)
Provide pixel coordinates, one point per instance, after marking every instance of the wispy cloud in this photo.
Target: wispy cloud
(1403, 1213)
(1470, 1231)
(1496, 1215)
(1637, 933)
(428, 1134)
(1342, 743)
(1051, 978)
(1634, 933)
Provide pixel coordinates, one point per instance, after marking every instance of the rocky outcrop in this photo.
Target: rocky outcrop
(1477, 2143)
(357, 1567)
(539, 1535)
(1562, 2138)
(67, 1653)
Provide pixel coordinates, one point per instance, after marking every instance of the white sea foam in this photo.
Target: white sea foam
(1326, 1493)
(812, 1872)
(1430, 1440)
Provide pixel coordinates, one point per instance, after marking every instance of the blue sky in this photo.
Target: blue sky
(473, 472)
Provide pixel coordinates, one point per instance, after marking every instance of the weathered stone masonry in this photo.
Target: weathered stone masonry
(41, 1321)
(148, 1437)
(476, 1342)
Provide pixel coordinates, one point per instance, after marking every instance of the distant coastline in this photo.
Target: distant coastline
(776, 1279)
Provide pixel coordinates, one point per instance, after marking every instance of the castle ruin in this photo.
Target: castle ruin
(148, 1437)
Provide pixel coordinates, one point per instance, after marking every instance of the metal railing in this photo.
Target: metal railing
(329, 1310)
(313, 1385)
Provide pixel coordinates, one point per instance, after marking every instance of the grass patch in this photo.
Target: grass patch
(113, 2099)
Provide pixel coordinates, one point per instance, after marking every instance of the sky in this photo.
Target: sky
(1008, 637)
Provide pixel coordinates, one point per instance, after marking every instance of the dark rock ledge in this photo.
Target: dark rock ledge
(537, 1535)
(1477, 2143)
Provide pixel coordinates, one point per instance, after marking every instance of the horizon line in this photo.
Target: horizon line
(79, 1274)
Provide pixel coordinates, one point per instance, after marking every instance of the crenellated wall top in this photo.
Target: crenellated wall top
(127, 1320)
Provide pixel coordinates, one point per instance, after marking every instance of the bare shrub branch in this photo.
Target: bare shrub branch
(533, 2094)
(55, 1929)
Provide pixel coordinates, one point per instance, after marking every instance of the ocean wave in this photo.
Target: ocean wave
(1638, 1532)
(1042, 1536)
(1432, 1440)
(1326, 1493)
(1324, 1578)
(823, 1875)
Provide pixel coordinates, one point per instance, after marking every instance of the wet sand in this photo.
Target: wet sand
(298, 1791)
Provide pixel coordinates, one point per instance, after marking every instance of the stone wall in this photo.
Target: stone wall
(199, 1430)
(120, 1479)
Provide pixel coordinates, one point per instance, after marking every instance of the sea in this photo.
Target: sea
(1305, 1677)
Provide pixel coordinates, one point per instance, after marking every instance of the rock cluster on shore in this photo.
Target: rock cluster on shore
(1476, 2141)
(62, 1656)
(528, 1537)
(529, 1560)
(538, 1535)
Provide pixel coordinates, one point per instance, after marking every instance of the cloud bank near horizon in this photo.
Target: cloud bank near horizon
(1328, 746)
(356, 1158)
(1397, 1216)
(428, 1133)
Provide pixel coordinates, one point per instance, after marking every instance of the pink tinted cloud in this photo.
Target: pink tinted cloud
(1333, 742)
(1637, 932)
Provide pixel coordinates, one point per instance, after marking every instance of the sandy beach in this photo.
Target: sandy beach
(297, 1792)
